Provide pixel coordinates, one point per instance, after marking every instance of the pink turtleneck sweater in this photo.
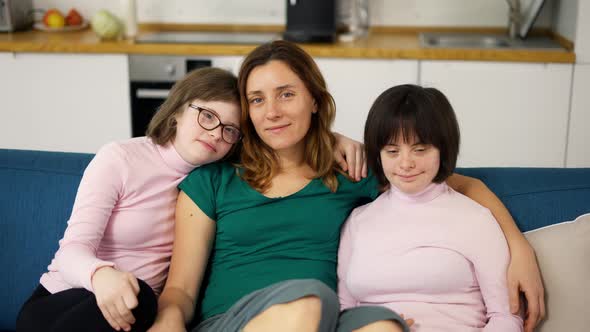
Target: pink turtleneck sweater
(437, 257)
(123, 216)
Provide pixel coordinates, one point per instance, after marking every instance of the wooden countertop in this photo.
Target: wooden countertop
(382, 43)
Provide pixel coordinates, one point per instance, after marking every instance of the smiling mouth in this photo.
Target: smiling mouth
(277, 129)
(407, 177)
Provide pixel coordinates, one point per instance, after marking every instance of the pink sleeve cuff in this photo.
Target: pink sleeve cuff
(93, 268)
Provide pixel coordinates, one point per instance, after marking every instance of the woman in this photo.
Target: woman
(271, 223)
(421, 247)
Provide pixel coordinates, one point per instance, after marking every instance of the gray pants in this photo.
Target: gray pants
(332, 320)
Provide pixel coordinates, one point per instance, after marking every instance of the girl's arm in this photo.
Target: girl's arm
(100, 190)
(194, 234)
(523, 271)
(98, 193)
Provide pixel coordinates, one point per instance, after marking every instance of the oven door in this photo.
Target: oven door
(151, 78)
(146, 99)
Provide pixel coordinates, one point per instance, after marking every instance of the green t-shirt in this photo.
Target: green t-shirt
(260, 241)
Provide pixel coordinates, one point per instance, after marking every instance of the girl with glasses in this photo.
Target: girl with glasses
(114, 256)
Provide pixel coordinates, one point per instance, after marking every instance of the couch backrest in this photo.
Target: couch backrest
(538, 197)
(37, 191)
(36, 197)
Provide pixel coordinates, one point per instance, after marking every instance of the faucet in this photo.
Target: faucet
(514, 18)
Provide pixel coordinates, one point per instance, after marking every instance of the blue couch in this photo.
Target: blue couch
(38, 190)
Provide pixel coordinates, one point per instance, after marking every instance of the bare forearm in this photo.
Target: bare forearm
(175, 304)
(479, 192)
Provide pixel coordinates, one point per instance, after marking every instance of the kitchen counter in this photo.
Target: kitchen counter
(382, 43)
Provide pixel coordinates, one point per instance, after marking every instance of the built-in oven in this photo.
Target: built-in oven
(152, 77)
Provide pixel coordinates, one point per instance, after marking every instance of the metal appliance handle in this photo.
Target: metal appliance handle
(152, 93)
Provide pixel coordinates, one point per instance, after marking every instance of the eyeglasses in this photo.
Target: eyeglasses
(209, 121)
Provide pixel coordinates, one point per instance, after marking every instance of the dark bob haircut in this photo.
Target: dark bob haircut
(411, 111)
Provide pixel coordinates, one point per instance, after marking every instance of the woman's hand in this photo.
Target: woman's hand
(524, 276)
(350, 156)
(116, 295)
(409, 321)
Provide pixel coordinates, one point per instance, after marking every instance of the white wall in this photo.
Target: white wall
(490, 13)
(578, 149)
(565, 14)
(582, 41)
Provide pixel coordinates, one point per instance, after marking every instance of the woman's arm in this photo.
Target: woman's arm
(194, 234)
(350, 156)
(523, 271)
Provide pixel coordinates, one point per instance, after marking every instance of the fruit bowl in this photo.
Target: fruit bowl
(40, 26)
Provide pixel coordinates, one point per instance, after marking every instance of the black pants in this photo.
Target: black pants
(76, 310)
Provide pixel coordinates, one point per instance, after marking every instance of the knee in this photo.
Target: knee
(325, 295)
(309, 307)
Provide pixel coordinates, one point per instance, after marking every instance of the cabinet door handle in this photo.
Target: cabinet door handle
(152, 93)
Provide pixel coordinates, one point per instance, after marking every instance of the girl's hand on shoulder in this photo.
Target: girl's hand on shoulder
(116, 295)
(524, 276)
(350, 156)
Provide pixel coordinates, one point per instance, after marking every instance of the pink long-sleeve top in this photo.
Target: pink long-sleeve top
(437, 257)
(123, 216)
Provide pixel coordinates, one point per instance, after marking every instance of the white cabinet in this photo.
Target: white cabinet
(356, 83)
(510, 114)
(63, 102)
(578, 148)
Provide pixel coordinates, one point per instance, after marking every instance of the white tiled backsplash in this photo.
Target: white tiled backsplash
(489, 13)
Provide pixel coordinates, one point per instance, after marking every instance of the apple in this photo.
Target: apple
(53, 18)
(73, 17)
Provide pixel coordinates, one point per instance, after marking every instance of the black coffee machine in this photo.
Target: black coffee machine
(311, 21)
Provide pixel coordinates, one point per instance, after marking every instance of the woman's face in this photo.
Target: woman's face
(280, 106)
(197, 145)
(410, 166)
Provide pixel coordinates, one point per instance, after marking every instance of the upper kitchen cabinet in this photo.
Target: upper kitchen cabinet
(63, 102)
(356, 83)
(510, 114)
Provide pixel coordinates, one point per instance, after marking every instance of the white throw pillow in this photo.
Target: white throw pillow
(563, 253)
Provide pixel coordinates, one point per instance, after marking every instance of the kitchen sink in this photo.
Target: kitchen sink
(485, 41)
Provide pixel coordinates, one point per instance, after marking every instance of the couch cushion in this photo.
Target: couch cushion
(38, 191)
(563, 251)
(538, 197)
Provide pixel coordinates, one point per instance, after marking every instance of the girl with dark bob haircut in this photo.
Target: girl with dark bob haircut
(422, 248)
(406, 110)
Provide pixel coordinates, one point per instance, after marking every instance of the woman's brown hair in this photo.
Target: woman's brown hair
(259, 162)
(206, 84)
